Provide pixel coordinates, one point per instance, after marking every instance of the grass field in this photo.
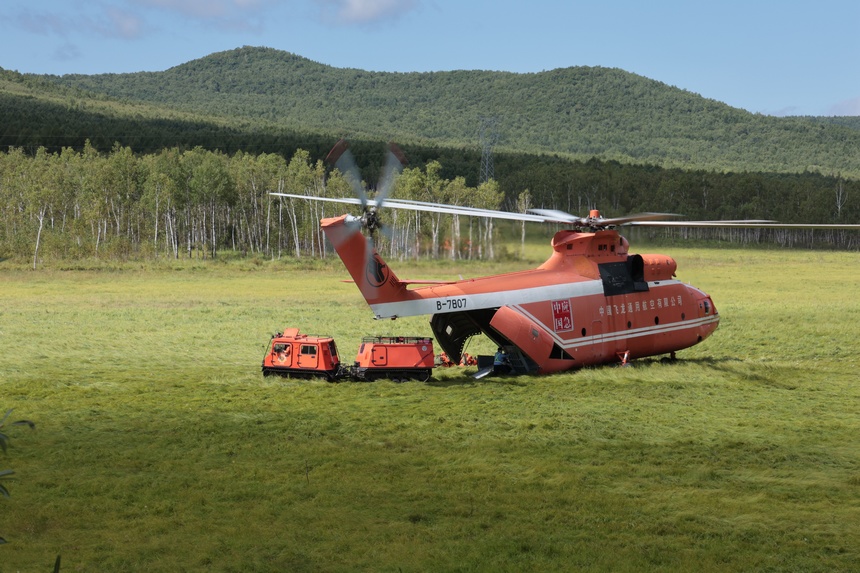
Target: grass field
(160, 447)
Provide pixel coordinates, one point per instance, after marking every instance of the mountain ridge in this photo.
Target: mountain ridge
(576, 112)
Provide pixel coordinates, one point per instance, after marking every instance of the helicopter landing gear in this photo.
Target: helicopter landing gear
(625, 357)
(671, 359)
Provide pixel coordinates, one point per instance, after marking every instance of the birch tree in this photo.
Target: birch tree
(487, 196)
(524, 203)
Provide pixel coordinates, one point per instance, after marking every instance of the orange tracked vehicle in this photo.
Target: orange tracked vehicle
(395, 357)
(295, 355)
(298, 355)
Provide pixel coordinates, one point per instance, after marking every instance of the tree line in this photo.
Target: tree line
(81, 203)
(697, 194)
(194, 203)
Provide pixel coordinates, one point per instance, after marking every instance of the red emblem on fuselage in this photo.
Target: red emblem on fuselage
(562, 316)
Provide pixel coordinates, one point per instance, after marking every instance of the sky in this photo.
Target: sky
(776, 57)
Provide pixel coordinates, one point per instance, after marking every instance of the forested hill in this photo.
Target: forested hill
(577, 112)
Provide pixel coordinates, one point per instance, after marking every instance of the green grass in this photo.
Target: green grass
(160, 447)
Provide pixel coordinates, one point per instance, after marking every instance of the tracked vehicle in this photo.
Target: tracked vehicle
(297, 355)
(399, 358)
(395, 357)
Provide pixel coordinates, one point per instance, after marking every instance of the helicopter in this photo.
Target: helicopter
(592, 302)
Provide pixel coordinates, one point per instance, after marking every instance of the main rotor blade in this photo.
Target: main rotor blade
(633, 219)
(554, 216)
(461, 210)
(467, 211)
(745, 224)
(427, 207)
(348, 200)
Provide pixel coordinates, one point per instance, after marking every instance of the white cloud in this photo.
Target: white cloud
(107, 21)
(120, 23)
(202, 9)
(226, 14)
(365, 11)
(43, 24)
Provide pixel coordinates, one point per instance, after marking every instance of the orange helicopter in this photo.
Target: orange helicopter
(592, 302)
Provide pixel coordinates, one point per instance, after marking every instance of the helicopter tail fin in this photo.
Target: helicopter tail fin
(375, 279)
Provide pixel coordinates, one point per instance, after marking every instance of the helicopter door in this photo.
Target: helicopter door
(528, 336)
(308, 357)
(597, 345)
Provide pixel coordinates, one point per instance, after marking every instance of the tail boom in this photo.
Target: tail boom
(375, 279)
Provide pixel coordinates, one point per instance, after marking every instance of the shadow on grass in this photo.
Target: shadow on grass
(769, 374)
(727, 368)
(466, 380)
(708, 361)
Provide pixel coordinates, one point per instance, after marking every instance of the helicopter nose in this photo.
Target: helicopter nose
(708, 317)
(706, 307)
(703, 302)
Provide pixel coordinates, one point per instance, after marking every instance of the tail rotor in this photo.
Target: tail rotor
(342, 158)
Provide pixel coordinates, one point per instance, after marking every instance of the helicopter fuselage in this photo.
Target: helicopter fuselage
(590, 303)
